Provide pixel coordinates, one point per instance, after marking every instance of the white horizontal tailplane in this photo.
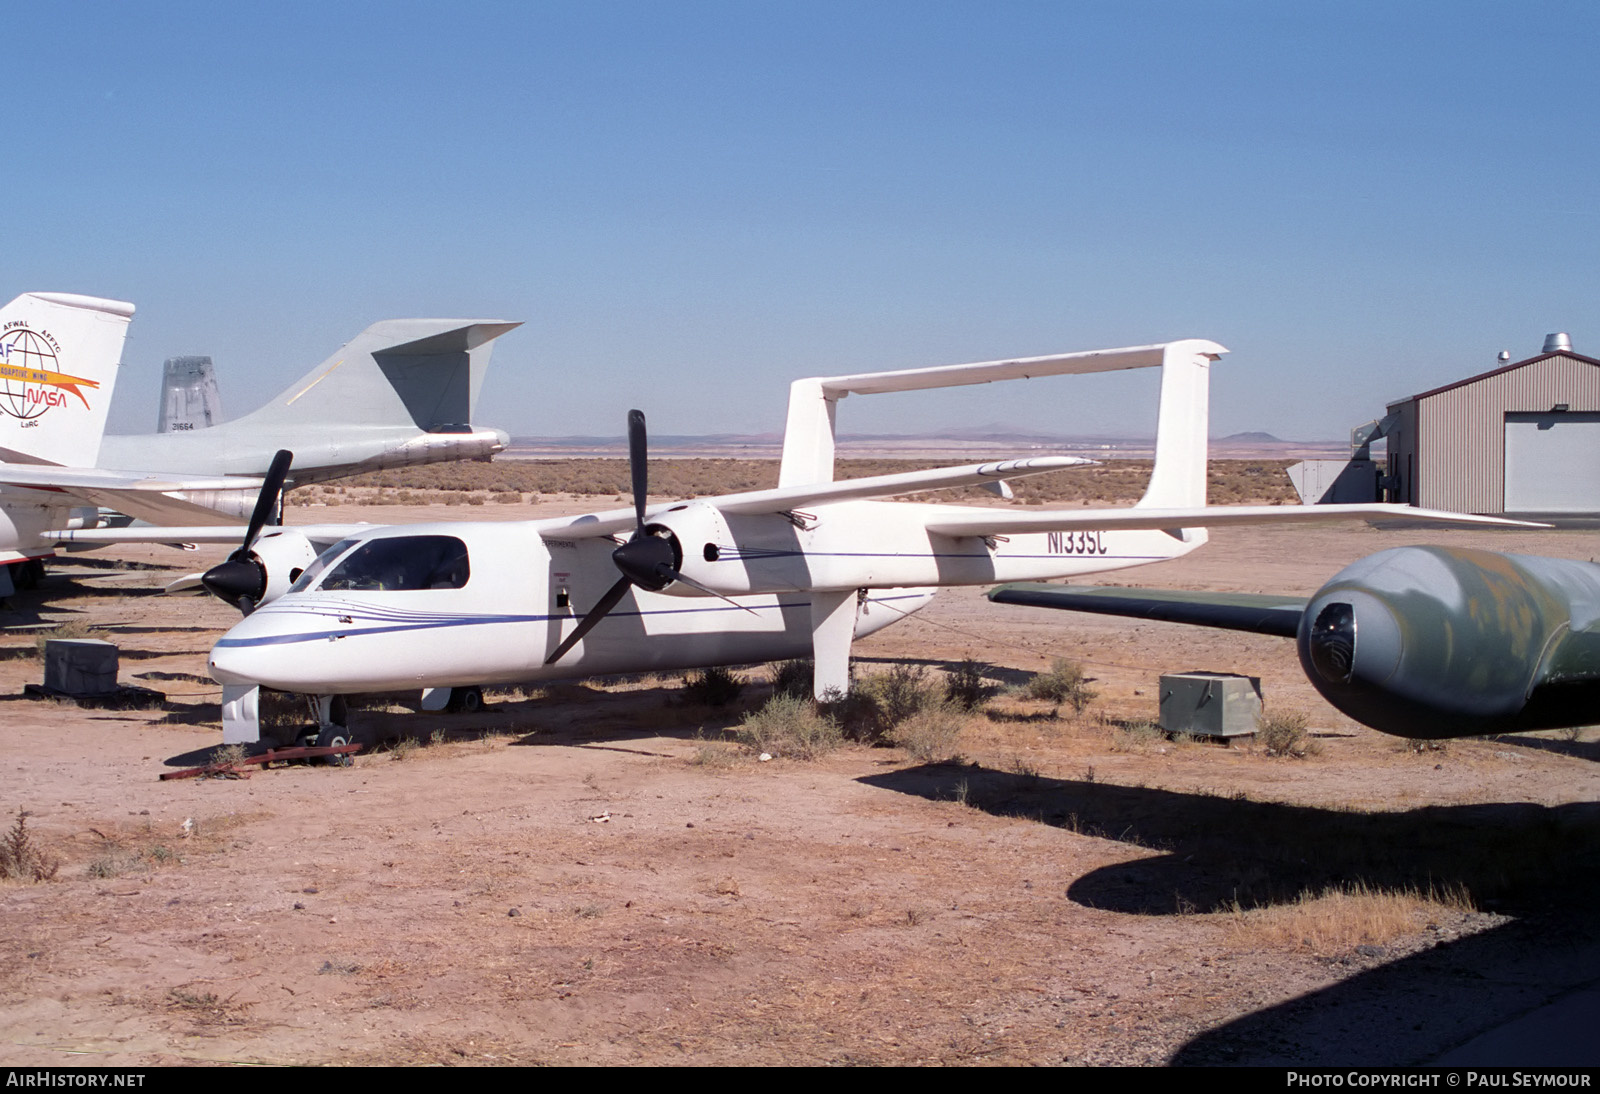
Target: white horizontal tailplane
(808, 440)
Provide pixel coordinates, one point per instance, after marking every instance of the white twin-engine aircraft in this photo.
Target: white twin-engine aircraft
(800, 570)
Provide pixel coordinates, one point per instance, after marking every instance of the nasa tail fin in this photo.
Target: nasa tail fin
(59, 354)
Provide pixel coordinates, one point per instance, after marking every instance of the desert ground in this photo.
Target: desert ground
(598, 873)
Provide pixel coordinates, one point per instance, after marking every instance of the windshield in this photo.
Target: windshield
(401, 563)
(303, 582)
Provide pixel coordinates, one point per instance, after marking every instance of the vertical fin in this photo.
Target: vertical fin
(59, 355)
(189, 396)
(808, 434)
(1178, 480)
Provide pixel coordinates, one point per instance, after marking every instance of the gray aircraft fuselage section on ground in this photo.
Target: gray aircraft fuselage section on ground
(1420, 642)
(402, 392)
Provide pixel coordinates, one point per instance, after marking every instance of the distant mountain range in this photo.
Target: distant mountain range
(984, 442)
(985, 435)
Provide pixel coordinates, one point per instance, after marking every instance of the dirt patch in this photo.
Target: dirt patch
(594, 873)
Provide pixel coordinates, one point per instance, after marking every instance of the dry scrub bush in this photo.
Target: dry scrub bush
(1137, 736)
(901, 692)
(879, 703)
(931, 733)
(712, 687)
(788, 726)
(794, 678)
(23, 859)
(715, 755)
(1340, 918)
(1063, 682)
(1285, 734)
(964, 688)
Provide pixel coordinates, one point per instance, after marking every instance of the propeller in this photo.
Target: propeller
(240, 580)
(647, 561)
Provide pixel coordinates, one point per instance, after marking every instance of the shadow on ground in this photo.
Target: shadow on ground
(1214, 853)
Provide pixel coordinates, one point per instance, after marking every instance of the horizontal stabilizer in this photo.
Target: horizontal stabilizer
(71, 479)
(1259, 613)
(1022, 368)
(216, 533)
(809, 432)
(469, 336)
(989, 522)
(784, 498)
(144, 496)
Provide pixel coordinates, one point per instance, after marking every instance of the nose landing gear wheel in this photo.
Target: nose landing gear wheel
(465, 701)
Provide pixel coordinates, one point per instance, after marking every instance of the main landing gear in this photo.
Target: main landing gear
(332, 728)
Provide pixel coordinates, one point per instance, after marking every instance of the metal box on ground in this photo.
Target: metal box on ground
(80, 666)
(1210, 704)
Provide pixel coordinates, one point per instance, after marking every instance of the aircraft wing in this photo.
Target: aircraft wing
(1260, 613)
(967, 521)
(791, 497)
(320, 535)
(141, 495)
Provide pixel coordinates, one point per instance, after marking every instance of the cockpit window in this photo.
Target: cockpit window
(303, 582)
(401, 563)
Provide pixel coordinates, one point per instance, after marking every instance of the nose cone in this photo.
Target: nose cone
(1428, 642)
(259, 649)
(1351, 646)
(236, 582)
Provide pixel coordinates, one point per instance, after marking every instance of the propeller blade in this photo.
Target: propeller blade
(613, 596)
(188, 583)
(240, 580)
(693, 584)
(267, 500)
(638, 465)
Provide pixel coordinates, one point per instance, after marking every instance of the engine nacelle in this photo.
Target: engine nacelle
(1431, 642)
(282, 556)
(703, 545)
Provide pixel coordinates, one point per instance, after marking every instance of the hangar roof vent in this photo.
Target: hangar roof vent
(1557, 343)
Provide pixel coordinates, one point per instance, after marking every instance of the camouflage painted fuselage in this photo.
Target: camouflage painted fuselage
(1431, 642)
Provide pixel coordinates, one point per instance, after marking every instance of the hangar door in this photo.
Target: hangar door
(1552, 462)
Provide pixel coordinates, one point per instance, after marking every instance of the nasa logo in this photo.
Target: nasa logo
(30, 378)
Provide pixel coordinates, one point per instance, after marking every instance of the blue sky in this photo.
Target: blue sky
(691, 204)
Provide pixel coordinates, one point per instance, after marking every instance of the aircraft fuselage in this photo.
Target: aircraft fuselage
(346, 631)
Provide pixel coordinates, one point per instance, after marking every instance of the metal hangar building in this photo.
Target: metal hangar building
(1521, 439)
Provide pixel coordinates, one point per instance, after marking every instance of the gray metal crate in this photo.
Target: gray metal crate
(1210, 704)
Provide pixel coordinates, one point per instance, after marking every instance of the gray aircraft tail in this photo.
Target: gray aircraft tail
(189, 395)
(423, 373)
(401, 392)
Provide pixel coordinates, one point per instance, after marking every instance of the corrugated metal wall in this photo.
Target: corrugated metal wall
(1460, 432)
(1403, 453)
